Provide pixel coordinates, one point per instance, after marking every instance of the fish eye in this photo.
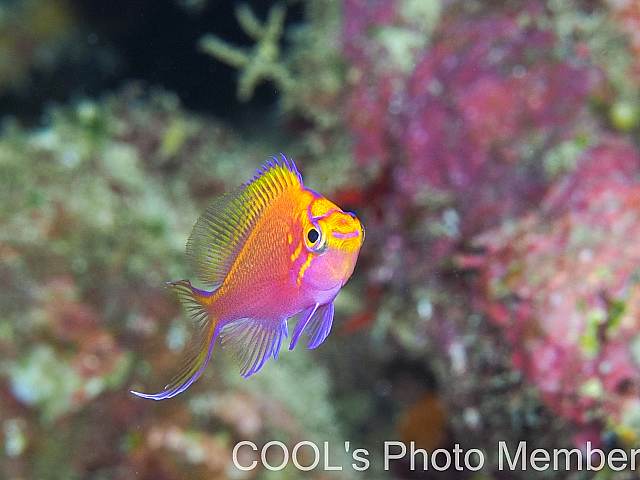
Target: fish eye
(315, 240)
(313, 236)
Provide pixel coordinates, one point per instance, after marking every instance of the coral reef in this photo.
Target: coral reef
(96, 207)
(561, 283)
(490, 150)
(458, 140)
(463, 120)
(492, 120)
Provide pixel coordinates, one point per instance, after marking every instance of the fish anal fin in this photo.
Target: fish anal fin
(223, 229)
(199, 350)
(252, 341)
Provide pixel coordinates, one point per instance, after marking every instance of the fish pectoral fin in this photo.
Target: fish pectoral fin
(199, 350)
(252, 341)
(316, 322)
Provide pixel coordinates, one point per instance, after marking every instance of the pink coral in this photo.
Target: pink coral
(462, 134)
(563, 286)
(480, 102)
(472, 139)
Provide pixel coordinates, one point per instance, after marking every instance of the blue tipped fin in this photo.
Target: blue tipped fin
(202, 341)
(316, 322)
(320, 325)
(303, 320)
(252, 342)
(223, 229)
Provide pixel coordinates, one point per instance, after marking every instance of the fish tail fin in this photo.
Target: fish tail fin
(204, 336)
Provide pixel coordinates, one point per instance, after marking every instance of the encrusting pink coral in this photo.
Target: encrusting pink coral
(562, 283)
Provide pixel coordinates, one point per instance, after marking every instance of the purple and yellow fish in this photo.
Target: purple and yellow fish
(272, 251)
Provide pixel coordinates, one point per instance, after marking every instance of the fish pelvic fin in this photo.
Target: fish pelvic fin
(316, 322)
(199, 351)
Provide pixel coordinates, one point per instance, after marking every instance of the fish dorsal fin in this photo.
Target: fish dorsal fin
(223, 229)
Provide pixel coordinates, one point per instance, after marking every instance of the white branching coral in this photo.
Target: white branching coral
(260, 63)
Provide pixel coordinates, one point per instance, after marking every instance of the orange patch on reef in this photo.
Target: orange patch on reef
(356, 322)
(424, 422)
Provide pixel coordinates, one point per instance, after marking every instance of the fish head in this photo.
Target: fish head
(332, 238)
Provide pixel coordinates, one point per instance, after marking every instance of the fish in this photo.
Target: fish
(271, 251)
